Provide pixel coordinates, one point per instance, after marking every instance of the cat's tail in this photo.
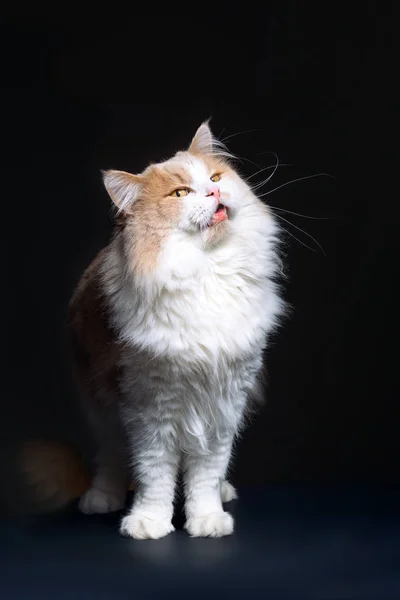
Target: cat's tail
(54, 474)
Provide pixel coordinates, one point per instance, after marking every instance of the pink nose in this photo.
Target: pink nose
(214, 191)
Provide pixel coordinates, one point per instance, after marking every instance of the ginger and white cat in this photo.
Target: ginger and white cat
(168, 325)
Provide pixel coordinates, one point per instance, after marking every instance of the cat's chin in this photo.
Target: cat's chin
(214, 235)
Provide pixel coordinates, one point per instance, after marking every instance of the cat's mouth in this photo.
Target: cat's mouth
(221, 214)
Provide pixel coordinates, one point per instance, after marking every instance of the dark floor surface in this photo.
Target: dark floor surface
(290, 542)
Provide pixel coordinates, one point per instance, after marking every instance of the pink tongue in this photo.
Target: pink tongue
(219, 216)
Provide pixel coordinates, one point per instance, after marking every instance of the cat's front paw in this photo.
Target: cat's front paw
(228, 492)
(214, 525)
(140, 527)
(98, 501)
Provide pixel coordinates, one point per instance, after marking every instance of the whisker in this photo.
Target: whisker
(274, 171)
(267, 168)
(291, 212)
(240, 133)
(295, 180)
(248, 160)
(221, 150)
(260, 184)
(262, 153)
(302, 230)
(220, 134)
(257, 186)
(300, 242)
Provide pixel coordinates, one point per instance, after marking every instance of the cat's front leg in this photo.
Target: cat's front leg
(205, 516)
(156, 463)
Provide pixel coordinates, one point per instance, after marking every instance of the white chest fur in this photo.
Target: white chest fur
(203, 305)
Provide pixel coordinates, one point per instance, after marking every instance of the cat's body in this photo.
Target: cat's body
(168, 326)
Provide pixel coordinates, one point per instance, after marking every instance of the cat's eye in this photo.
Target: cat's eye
(180, 193)
(215, 178)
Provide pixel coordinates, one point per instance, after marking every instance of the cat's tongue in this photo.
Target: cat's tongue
(219, 215)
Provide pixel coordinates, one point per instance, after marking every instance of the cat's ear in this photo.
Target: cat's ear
(202, 143)
(123, 188)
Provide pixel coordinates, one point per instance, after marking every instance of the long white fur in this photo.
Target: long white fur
(194, 332)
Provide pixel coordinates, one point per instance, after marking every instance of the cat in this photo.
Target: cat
(168, 326)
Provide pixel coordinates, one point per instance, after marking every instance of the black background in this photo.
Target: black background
(313, 84)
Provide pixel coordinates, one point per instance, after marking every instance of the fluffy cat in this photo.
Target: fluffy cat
(168, 326)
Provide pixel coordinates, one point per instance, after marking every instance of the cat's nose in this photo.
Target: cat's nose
(214, 191)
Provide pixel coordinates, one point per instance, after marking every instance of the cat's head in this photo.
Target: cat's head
(195, 196)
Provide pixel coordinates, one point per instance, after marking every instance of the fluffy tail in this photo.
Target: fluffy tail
(54, 474)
